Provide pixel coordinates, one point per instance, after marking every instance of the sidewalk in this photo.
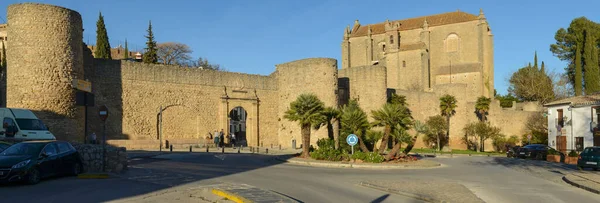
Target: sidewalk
(245, 150)
(587, 180)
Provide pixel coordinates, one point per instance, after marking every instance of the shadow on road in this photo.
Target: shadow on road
(144, 175)
(380, 199)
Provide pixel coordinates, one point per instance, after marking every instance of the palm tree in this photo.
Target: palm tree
(447, 108)
(306, 109)
(400, 134)
(482, 107)
(420, 128)
(354, 120)
(389, 116)
(332, 116)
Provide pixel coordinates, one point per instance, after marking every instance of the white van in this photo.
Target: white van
(23, 124)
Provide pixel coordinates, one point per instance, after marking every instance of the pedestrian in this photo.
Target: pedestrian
(93, 138)
(222, 138)
(233, 138)
(216, 141)
(216, 135)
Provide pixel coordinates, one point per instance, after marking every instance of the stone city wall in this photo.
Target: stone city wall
(367, 86)
(45, 56)
(313, 75)
(134, 91)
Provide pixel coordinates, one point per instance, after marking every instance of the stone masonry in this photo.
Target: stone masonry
(421, 58)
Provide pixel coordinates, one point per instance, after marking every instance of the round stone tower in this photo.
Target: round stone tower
(45, 56)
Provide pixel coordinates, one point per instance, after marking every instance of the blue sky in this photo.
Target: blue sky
(253, 36)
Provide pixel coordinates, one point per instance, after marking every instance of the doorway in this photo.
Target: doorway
(237, 125)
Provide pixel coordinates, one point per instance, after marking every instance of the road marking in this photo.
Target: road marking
(222, 157)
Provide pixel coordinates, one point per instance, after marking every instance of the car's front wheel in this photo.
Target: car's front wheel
(33, 177)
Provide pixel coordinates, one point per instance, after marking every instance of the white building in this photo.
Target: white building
(573, 122)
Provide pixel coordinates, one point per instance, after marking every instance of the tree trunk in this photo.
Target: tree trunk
(330, 130)
(384, 139)
(410, 146)
(336, 133)
(393, 152)
(448, 131)
(481, 144)
(438, 142)
(305, 141)
(362, 145)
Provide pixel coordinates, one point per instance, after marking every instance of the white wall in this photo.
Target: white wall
(578, 120)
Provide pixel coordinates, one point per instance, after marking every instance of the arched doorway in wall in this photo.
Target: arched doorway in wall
(237, 125)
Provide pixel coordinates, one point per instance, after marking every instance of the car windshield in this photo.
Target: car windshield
(532, 146)
(31, 124)
(592, 151)
(24, 149)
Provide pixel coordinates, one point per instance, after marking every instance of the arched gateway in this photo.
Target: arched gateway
(238, 112)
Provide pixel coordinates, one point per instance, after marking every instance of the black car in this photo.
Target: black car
(4, 145)
(535, 151)
(31, 161)
(512, 151)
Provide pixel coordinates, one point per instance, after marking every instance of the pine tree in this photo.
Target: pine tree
(150, 55)
(592, 73)
(126, 54)
(102, 44)
(578, 83)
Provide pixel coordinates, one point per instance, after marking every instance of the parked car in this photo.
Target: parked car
(4, 145)
(512, 151)
(33, 160)
(534, 151)
(589, 158)
(22, 124)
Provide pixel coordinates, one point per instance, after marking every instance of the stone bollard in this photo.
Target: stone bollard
(171, 148)
(190, 148)
(266, 150)
(206, 148)
(238, 150)
(222, 150)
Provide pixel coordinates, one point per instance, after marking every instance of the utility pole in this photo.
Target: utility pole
(160, 127)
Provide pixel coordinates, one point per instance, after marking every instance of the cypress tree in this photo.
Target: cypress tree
(578, 83)
(592, 73)
(102, 44)
(126, 54)
(543, 69)
(150, 55)
(535, 64)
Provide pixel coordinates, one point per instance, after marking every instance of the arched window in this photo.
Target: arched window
(391, 39)
(452, 43)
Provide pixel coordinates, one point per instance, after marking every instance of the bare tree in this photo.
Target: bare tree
(203, 63)
(173, 53)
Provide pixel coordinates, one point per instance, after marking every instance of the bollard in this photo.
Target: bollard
(266, 150)
(222, 150)
(190, 148)
(238, 150)
(207, 148)
(171, 148)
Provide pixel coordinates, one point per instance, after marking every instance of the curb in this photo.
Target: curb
(350, 165)
(580, 186)
(93, 176)
(390, 190)
(230, 196)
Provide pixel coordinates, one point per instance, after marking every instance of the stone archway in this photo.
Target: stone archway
(250, 103)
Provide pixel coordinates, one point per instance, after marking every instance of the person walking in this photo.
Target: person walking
(216, 140)
(233, 138)
(222, 138)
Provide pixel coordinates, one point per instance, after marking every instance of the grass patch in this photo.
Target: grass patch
(455, 151)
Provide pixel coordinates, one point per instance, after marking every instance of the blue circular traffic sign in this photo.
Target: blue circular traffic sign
(352, 139)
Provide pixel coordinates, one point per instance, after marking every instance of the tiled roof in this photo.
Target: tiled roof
(578, 101)
(414, 23)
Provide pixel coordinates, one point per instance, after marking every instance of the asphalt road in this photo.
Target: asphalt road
(490, 179)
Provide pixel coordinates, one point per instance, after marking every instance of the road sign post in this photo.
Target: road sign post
(352, 140)
(103, 113)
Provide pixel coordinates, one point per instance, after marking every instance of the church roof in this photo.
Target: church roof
(414, 23)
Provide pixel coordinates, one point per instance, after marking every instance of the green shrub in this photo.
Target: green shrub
(371, 157)
(553, 152)
(573, 153)
(326, 151)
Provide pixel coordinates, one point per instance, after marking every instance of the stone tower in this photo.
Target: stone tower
(45, 56)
